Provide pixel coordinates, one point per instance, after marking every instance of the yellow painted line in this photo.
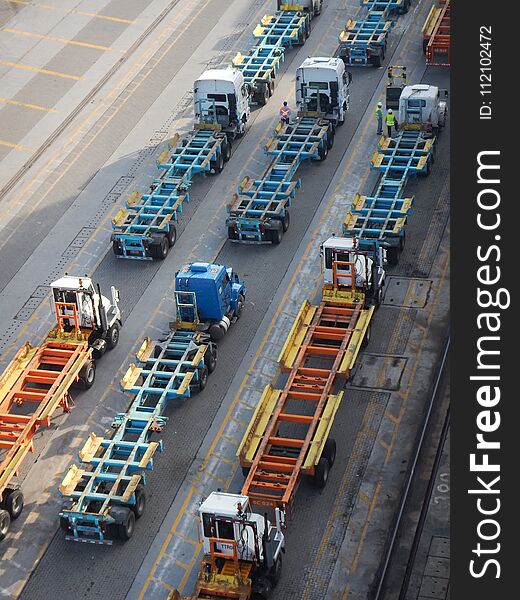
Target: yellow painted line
(72, 10)
(52, 38)
(14, 65)
(26, 105)
(13, 146)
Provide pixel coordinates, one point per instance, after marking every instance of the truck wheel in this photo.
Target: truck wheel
(5, 523)
(240, 306)
(366, 337)
(232, 234)
(65, 525)
(270, 86)
(203, 379)
(113, 336)
(329, 451)
(116, 248)
(262, 589)
(172, 235)
(217, 165)
(13, 503)
(140, 502)
(245, 471)
(392, 255)
(87, 375)
(210, 358)
(276, 571)
(330, 138)
(226, 149)
(286, 221)
(125, 529)
(276, 234)
(321, 473)
(161, 249)
(323, 151)
(263, 96)
(376, 61)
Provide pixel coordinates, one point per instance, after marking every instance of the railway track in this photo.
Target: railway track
(380, 592)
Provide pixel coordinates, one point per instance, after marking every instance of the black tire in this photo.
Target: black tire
(377, 60)
(270, 85)
(87, 375)
(424, 46)
(125, 529)
(329, 451)
(263, 95)
(275, 573)
(378, 298)
(232, 234)
(13, 503)
(262, 589)
(402, 240)
(5, 523)
(118, 251)
(216, 332)
(140, 502)
(323, 151)
(276, 235)
(245, 471)
(160, 250)
(112, 338)
(210, 358)
(286, 221)
(226, 149)
(392, 255)
(65, 525)
(240, 306)
(203, 378)
(321, 473)
(172, 235)
(366, 337)
(330, 138)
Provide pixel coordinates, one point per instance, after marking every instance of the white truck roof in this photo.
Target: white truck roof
(321, 62)
(69, 282)
(232, 75)
(340, 243)
(419, 90)
(225, 505)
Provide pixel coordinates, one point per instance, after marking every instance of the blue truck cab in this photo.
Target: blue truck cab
(209, 296)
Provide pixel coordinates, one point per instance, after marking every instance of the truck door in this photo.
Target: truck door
(225, 294)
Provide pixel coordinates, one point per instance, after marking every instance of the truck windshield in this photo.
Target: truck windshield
(320, 85)
(218, 97)
(226, 530)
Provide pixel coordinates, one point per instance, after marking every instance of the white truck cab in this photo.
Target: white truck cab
(78, 304)
(228, 90)
(323, 86)
(228, 520)
(346, 264)
(421, 107)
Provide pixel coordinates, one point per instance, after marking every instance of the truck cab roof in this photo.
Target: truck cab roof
(321, 62)
(69, 282)
(201, 271)
(422, 90)
(224, 505)
(232, 75)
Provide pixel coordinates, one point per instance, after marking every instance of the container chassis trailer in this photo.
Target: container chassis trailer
(363, 42)
(383, 215)
(259, 211)
(436, 35)
(104, 497)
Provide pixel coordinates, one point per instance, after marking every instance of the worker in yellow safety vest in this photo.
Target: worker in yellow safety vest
(390, 121)
(285, 113)
(379, 117)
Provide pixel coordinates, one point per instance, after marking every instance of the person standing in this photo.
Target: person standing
(379, 117)
(285, 113)
(390, 121)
